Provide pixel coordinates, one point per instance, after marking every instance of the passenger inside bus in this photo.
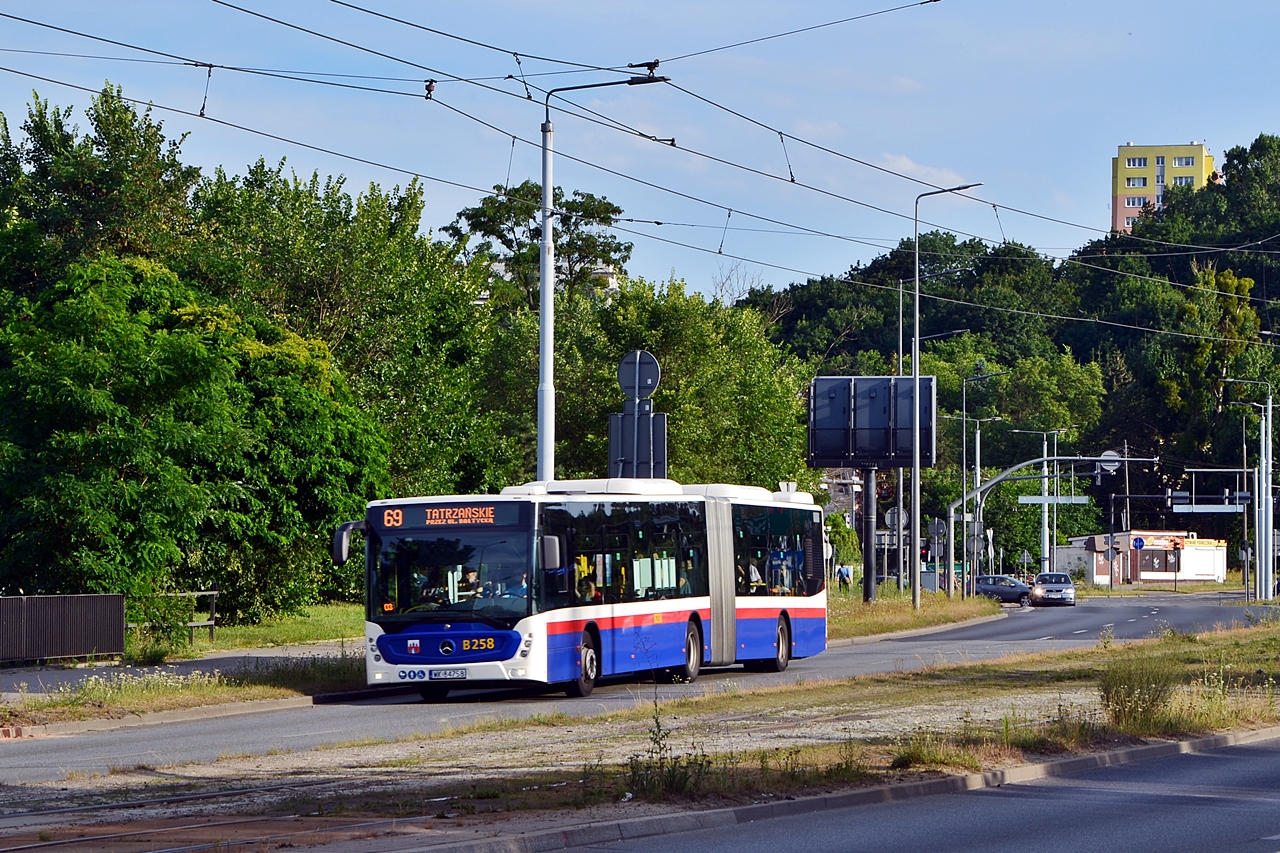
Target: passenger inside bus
(587, 592)
(470, 585)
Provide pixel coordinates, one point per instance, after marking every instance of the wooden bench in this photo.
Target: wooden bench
(196, 621)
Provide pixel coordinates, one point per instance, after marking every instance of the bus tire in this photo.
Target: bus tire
(688, 672)
(588, 668)
(433, 693)
(783, 655)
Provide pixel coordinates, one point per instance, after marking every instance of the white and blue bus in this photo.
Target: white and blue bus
(567, 582)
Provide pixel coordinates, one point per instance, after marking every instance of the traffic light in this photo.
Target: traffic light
(926, 552)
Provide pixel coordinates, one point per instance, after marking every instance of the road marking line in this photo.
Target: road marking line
(1044, 638)
(1133, 620)
(1081, 631)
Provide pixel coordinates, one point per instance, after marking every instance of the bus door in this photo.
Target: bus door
(722, 581)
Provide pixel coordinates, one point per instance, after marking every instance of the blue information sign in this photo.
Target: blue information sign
(1138, 544)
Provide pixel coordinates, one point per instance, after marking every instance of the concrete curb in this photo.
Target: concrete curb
(670, 824)
(206, 712)
(913, 632)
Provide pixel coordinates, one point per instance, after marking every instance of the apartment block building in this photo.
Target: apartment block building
(1139, 174)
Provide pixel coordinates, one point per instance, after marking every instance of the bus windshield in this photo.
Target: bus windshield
(449, 574)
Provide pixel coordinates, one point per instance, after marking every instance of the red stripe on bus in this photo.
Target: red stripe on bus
(610, 623)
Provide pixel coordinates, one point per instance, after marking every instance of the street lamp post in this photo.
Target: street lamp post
(1265, 566)
(547, 283)
(915, 402)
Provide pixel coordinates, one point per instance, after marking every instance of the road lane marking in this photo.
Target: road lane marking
(1044, 638)
(1082, 631)
(1133, 620)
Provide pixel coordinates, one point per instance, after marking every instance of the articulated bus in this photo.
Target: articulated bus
(567, 582)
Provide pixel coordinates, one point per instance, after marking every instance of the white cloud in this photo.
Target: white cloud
(932, 174)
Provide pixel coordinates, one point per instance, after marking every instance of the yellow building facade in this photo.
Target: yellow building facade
(1139, 174)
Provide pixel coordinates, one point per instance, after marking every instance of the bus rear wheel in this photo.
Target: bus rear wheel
(688, 672)
(433, 692)
(588, 668)
(781, 657)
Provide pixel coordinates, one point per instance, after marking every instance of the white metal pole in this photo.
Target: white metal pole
(547, 320)
(1267, 507)
(1044, 507)
(977, 500)
(915, 423)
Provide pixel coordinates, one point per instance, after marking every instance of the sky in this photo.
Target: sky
(1029, 98)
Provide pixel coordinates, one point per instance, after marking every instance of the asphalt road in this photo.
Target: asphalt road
(1225, 800)
(1034, 629)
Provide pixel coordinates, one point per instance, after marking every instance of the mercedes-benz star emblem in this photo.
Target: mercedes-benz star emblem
(446, 647)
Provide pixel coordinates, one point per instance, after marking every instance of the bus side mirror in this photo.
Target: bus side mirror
(557, 577)
(550, 552)
(342, 541)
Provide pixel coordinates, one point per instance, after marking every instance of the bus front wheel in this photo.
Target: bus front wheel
(588, 668)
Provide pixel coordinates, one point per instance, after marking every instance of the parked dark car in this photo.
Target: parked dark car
(1003, 588)
(1053, 588)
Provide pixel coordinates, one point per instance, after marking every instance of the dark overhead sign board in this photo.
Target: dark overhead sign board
(867, 421)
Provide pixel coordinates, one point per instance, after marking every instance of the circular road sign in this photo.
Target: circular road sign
(1109, 466)
(638, 374)
(892, 521)
(1110, 554)
(1138, 543)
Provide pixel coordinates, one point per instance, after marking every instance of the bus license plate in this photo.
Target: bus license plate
(446, 674)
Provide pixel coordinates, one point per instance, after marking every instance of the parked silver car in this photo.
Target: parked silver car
(1053, 588)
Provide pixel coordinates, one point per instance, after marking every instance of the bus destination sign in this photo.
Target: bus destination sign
(459, 515)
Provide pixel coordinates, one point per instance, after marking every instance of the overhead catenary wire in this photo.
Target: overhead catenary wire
(582, 161)
(613, 124)
(249, 68)
(606, 120)
(797, 31)
(603, 120)
(477, 43)
(797, 271)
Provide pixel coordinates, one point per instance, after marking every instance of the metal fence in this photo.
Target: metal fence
(41, 627)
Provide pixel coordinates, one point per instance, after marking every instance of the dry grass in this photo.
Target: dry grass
(124, 693)
(848, 616)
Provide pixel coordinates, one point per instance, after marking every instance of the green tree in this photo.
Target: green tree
(845, 541)
(402, 314)
(149, 439)
(119, 188)
(509, 227)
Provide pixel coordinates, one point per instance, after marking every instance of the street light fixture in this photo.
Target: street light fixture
(915, 401)
(547, 282)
